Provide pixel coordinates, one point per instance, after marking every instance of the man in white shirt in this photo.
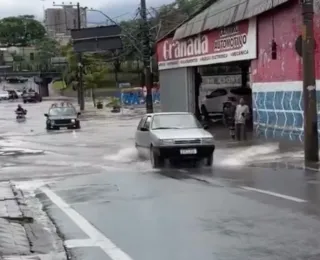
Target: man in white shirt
(241, 115)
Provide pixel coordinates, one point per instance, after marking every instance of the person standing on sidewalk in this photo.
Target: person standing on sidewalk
(241, 115)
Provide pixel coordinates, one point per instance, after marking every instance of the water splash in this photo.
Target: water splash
(125, 155)
(242, 156)
(128, 155)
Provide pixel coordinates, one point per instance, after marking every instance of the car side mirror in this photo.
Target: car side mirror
(144, 129)
(46, 115)
(205, 127)
(79, 113)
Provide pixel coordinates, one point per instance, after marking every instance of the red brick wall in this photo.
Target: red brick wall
(287, 27)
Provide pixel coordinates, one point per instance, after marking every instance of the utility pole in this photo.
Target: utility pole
(146, 55)
(80, 65)
(311, 146)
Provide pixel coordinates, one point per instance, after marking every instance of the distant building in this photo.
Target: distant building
(62, 20)
(28, 54)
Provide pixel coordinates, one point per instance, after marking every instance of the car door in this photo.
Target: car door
(145, 134)
(139, 133)
(214, 101)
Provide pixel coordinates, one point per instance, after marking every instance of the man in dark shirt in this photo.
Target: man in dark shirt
(229, 110)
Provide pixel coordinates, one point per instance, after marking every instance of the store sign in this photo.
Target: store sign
(232, 43)
(212, 82)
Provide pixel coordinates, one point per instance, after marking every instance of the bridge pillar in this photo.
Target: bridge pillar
(43, 84)
(43, 89)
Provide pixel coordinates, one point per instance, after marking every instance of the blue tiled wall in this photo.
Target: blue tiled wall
(279, 114)
(137, 98)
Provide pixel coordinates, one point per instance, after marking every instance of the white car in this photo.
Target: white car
(177, 135)
(4, 95)
(212, 102)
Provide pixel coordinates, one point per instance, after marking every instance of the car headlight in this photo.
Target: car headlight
(167, 141)
(73, 120)
(208, 140)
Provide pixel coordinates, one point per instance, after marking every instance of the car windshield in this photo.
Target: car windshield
(175, 121)
(62, 111)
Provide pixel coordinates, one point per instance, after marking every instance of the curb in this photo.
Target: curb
(13, 236)
(26, 213)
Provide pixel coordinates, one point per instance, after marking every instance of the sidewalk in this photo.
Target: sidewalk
(21, 235)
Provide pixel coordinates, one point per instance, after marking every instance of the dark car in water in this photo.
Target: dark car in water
(62, 116)
(31, 97)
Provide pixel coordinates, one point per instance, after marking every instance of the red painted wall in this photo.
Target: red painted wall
(286, 29)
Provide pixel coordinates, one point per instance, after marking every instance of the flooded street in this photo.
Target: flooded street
(255, 203)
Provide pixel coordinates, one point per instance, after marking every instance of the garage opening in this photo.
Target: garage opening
(217, 85)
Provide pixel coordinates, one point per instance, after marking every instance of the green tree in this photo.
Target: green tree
(46, 49)
(20, 30)
(95, 70)
(70, 74)
(95, 79)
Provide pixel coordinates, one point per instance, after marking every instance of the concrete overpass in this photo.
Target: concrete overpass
(29, 74)
(42, 79)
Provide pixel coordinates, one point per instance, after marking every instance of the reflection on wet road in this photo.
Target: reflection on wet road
(110, 205)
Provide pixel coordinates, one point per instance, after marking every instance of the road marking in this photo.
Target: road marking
(275, 194)
(79, 243)
(96, 237)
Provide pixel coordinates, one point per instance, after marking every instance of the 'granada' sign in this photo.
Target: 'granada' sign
(233, 43)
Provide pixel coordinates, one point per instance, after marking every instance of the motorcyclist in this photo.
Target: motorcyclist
(20, 109)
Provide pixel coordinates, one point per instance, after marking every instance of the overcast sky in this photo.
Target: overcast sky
(113, 8)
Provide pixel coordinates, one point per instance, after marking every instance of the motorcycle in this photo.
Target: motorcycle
(21, 114)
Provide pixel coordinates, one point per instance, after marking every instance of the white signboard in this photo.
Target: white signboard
(213, 82)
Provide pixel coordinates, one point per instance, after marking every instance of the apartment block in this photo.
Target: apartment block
(62, 20)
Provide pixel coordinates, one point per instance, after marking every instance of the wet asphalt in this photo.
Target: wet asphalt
(255, 203)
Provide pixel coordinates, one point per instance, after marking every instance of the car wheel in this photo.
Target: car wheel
(25, 101)
(48, 127)
(209, 160)
(156, 160)
(77, 126)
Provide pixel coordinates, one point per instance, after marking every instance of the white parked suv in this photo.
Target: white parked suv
(212, 101)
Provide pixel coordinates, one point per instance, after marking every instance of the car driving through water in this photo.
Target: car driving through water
(173, 136)
(31, 97)
(62, 115)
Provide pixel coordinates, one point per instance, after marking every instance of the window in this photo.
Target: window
(147, 123)
(62, 111)
(141, 123)
(175, 121)
(217, 93)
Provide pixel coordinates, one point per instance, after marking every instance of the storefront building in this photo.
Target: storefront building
(243, 35)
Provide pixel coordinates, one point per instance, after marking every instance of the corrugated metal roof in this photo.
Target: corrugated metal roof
(223, 13)
(202, 8)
